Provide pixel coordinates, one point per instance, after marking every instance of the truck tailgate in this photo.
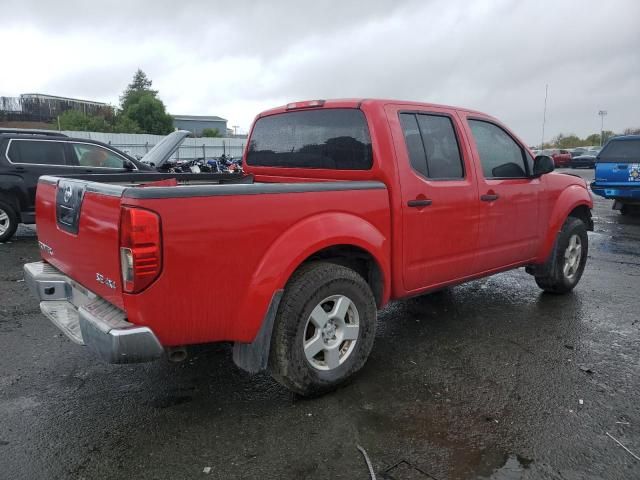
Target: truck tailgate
(78, 233)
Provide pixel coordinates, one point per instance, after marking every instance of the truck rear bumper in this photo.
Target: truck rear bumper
(630, 192)
(88, 319)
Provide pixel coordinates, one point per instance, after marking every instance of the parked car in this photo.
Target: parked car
(27, 155)
(561, 157)
(364, 201)
(577, 151)
(618, 173)
(587, 159)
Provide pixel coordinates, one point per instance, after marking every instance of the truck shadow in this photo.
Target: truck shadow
(447, 369)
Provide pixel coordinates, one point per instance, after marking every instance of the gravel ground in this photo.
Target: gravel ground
(491, 379)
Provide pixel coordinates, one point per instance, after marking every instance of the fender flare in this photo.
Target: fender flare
(572, 197)
(286, 254)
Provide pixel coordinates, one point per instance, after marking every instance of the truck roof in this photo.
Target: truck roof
(358, 102)
(625, 137)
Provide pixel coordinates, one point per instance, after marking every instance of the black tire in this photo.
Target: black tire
(8, 225)
(555, 280)
(306, 290)
(624, 210)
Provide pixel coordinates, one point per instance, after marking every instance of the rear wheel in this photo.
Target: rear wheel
(324, 330)
(8, 221)
(624, 210)
(568, 259)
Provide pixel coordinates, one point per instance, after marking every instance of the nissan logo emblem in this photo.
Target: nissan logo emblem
(68, 192)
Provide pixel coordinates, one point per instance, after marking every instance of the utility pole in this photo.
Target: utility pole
(544, 114)
(235, 129)
(602, 113)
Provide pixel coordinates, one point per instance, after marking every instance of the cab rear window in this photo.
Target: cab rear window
(336, 139)
(621, 151)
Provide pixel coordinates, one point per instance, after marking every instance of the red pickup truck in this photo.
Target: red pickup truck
(347, 205)
(561, 158)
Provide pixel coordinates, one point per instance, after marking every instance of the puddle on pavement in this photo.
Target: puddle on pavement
(612, 244)
(511, 467)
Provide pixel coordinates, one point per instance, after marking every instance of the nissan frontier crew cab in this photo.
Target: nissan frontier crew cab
(347, 205)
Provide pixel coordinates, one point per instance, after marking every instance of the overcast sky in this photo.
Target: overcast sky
(236, 58)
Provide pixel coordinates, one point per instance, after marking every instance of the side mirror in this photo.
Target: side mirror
(542, 164)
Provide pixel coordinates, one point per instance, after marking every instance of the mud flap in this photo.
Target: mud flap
(254, 357)
(547, 268)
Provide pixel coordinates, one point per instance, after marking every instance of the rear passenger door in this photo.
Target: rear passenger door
(439, 196)
(32, 158)
(507, 197)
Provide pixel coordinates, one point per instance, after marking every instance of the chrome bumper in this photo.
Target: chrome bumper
(88, 319)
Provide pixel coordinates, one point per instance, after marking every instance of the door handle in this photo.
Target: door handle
(489, 197)
(419, 203)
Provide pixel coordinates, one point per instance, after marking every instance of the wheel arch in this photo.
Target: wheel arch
(574, 201)
(337, 237)
(329, 235)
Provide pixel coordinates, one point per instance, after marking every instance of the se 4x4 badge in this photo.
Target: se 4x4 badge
(105, 281)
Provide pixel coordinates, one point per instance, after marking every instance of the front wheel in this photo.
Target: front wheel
(568, 258)
(8, 221)
(324, 329)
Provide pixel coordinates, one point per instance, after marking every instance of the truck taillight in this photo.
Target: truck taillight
(140, 248)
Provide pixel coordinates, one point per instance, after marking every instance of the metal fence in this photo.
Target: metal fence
(138, 145)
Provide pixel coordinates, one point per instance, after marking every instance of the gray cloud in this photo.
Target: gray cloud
(235, 58)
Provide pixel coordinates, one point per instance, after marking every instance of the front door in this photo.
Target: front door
(507, 197)
(439, 196)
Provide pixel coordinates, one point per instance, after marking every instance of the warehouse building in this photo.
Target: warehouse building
(38, 107)
(197, 123)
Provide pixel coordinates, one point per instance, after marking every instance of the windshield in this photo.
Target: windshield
(328, 138)
(621, 151)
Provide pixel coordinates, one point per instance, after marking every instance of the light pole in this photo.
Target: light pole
(544, 114)
(602, 113)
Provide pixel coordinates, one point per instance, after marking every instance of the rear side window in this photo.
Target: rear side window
(621, 151)
(335, 139)
(500, 155)
(39, 152)
(432, 146)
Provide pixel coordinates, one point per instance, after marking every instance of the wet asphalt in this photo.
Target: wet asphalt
(491, 379)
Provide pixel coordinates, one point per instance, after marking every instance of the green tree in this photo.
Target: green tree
(567, 141)
(149, 113)
(75, 120)
(126, 125)
(210, 132)
(140, 85)
(140, 105)
(593, 139)
(606, 135)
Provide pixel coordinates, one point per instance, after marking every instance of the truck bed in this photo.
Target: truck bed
(222, 242)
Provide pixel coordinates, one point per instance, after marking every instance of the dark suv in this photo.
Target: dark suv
(26, 155)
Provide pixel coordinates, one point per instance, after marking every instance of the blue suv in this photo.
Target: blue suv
(618, 172)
